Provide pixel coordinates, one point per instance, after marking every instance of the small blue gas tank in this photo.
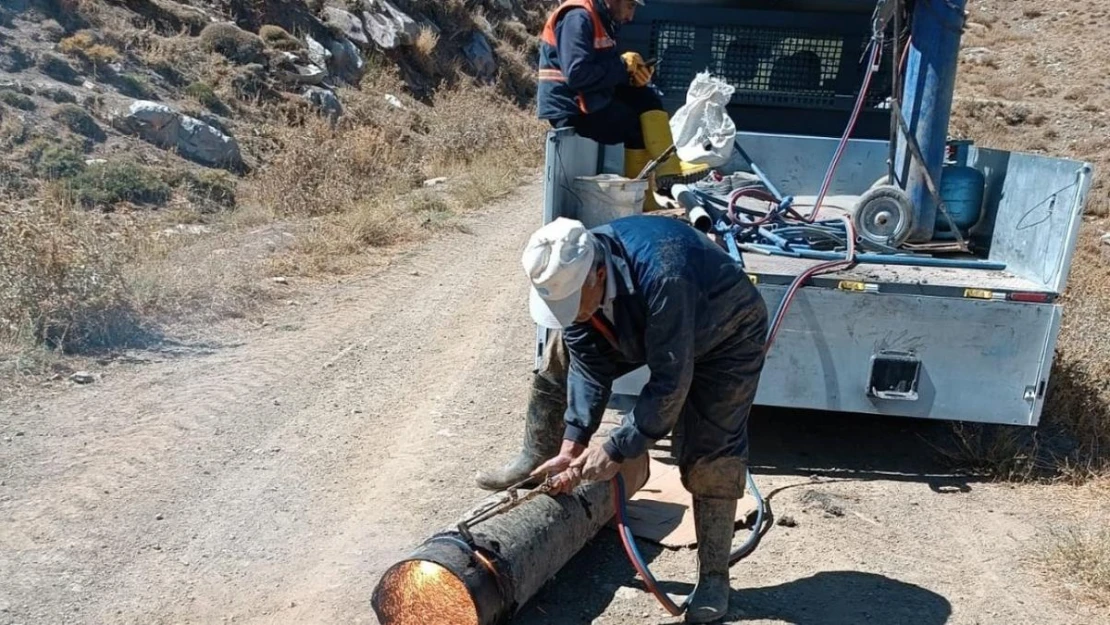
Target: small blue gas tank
(962, 189)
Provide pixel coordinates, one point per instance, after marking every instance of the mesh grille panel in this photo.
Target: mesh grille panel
(770, 66)
(773, 66)
(673, 46)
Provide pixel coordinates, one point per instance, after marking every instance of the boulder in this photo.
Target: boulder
(389, 26)
(480, 54)
(324, 100)
(290, 68)
(346, 61)
(317, 53)
(190, 137)
(347, 25)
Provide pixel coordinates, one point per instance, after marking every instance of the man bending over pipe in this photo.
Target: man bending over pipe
(652, 291)
(585, 84)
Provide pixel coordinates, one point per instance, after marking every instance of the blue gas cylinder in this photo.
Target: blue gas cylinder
(963, 189)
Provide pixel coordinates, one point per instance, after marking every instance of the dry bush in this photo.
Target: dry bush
(279, 39)
(233, 43)
(516, 76)
(79, 120)
(86, 46)
(424, 51)
(61, 282)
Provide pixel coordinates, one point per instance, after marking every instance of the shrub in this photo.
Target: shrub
(57, 161)
(17, 100)
(233, 42)
(78, 120)
(204, 93)
(58, 68)
(78, 43)
(85, 46)
(279, 39)
(61, 96)
(135, 86)
(210, 191)
(107, 184)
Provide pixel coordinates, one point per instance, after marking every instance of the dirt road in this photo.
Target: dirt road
(271, 475)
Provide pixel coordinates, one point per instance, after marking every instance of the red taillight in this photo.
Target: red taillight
(1030, 298)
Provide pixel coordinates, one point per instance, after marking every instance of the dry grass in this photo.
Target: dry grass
(1082, 554)
(1031, 97)
(86, 46)
(61, 281)
(359, 177)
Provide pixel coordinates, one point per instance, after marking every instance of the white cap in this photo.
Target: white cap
(557, 260)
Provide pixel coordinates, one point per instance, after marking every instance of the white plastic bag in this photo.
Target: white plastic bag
(702, 129)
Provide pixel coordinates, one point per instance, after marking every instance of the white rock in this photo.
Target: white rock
(304, 74)
(325, 100)
(389, 26)
(394, 101)
(192, 138)
(317, 53)
(431, 182)
(82, 377)
(347, 24)
(347, 61)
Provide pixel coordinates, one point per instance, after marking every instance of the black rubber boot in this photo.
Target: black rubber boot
(543, 436)
(714, 520)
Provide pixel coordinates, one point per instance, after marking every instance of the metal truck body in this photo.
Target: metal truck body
(955, 344)
(900, 340)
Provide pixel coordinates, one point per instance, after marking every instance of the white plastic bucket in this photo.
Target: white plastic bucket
(605, 197)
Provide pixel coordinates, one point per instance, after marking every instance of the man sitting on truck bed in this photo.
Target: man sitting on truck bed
(585, 84)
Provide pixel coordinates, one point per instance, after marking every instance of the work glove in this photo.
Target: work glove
(639, 74)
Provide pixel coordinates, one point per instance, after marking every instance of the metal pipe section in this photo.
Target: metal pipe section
(930, 81)
(501, 563)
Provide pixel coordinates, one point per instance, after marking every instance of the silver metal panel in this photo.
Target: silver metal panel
(797, 165)
(1047, 357)
(979, 359)
(567, 157)
(1034, 207)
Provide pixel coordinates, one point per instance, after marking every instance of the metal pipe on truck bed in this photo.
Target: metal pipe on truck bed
(484, 575)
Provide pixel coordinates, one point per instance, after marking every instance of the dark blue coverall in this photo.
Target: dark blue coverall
(686, 309)
(616, 121)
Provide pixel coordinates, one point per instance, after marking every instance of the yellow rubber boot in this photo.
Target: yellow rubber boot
(634, 163)
(656, 126)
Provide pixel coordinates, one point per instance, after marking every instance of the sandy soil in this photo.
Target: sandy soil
(272, 473)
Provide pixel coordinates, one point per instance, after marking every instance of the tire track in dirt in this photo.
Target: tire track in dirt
(269, 482)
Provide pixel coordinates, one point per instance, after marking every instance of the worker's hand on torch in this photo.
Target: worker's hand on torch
(639, 73)
(595, 465)
(559, 468)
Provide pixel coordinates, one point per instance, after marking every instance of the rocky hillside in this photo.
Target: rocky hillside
(83, 82)
(171, 161)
